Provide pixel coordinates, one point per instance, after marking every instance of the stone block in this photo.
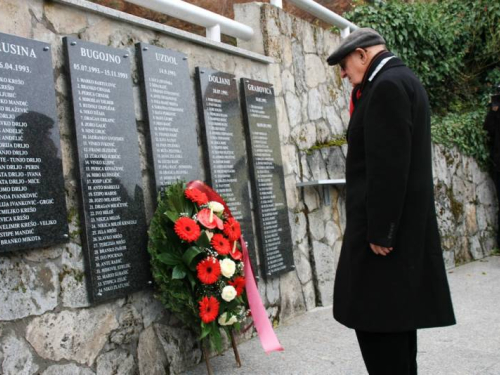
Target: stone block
(250, 15)
(316, 225)
(293, 109)
(332, 233)
(73, 290)
(16, 18)
(72, 335)
(292, 197)
(41, 255)
(17, 357)
(308, 41)
(324, 260)
(312, 198)
(475, 248)
(69, 369)
(292, 298)
(323, 132)
(130, 326)
(470, 219)
(317, 165)
(27, 289)
(304, 271)
(273, 290)
(65, 20)
(314, 71)
(283, 123)
(300, 228)
(315, 104)
(335, 162)
(116, 362)
(286, 54)
(309, 295)
(287, 81)
(274, 78)
(149, 307)
(180, 347)
(151, 357)
(304, 136)
(299, 67)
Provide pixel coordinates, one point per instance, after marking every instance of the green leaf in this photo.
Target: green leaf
(169, 259)
(179, 272)
(203, 240)
(205, 330)
(190, 255)
(215, 337)
(173, 216)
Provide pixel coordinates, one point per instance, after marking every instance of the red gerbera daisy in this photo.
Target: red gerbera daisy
(239, 284)
(187, 229)
(220, 244)
(232, 229)
(204, 218)
(196, 196)
(208, 270)
(209, 309)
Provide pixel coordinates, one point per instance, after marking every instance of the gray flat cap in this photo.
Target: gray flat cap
(360, 38)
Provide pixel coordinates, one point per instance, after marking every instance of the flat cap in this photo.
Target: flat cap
(360, 38)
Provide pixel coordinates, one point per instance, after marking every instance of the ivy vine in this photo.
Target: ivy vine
(453, 47)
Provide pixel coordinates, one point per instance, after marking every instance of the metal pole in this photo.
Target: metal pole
(277, 3)
(198, 16)
(213, 33)
(323, 13)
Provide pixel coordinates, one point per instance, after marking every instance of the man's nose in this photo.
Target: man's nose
(343, 74)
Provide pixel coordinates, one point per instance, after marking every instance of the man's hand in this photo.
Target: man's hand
(379, 250)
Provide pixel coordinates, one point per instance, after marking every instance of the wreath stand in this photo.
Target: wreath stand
(235, 350)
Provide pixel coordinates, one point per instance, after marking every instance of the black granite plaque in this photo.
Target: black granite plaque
(170, 107)
(224, 149)
(32, 196)
(268, 182)
(112, 196)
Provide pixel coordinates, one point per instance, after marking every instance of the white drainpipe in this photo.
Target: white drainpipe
(213, 22)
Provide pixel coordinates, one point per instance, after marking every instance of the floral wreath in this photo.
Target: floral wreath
(197, 262)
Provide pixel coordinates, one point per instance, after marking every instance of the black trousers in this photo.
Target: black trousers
(393, 353)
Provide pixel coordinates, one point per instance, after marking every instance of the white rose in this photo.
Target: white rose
(215, 206)
(224, 322)
(228, 293)
(227, 267)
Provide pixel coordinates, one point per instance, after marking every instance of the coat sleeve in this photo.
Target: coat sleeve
(388, 130)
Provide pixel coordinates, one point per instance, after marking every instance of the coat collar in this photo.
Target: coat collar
(383, 61)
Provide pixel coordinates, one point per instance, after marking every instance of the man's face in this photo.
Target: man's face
(353, 66)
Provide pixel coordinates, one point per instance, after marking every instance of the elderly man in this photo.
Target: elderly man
(391, 278)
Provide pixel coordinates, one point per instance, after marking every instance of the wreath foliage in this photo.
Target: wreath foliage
(197, 263)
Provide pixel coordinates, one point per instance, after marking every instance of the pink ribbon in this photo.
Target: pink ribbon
(267, 337)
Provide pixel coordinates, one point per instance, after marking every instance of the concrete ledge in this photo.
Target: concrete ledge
(168, 30)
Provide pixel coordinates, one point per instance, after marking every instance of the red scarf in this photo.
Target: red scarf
(358, 89)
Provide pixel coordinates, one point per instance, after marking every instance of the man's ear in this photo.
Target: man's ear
(363, 55)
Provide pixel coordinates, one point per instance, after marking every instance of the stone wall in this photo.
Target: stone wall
(46, 323)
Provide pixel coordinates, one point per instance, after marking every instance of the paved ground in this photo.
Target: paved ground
(316, 344)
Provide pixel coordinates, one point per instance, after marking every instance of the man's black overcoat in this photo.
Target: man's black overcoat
(390, 202)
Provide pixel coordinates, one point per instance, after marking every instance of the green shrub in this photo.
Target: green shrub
(453, 46)
(465, 131)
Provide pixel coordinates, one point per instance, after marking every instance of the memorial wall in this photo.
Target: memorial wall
(111, 191)
(93, 128)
